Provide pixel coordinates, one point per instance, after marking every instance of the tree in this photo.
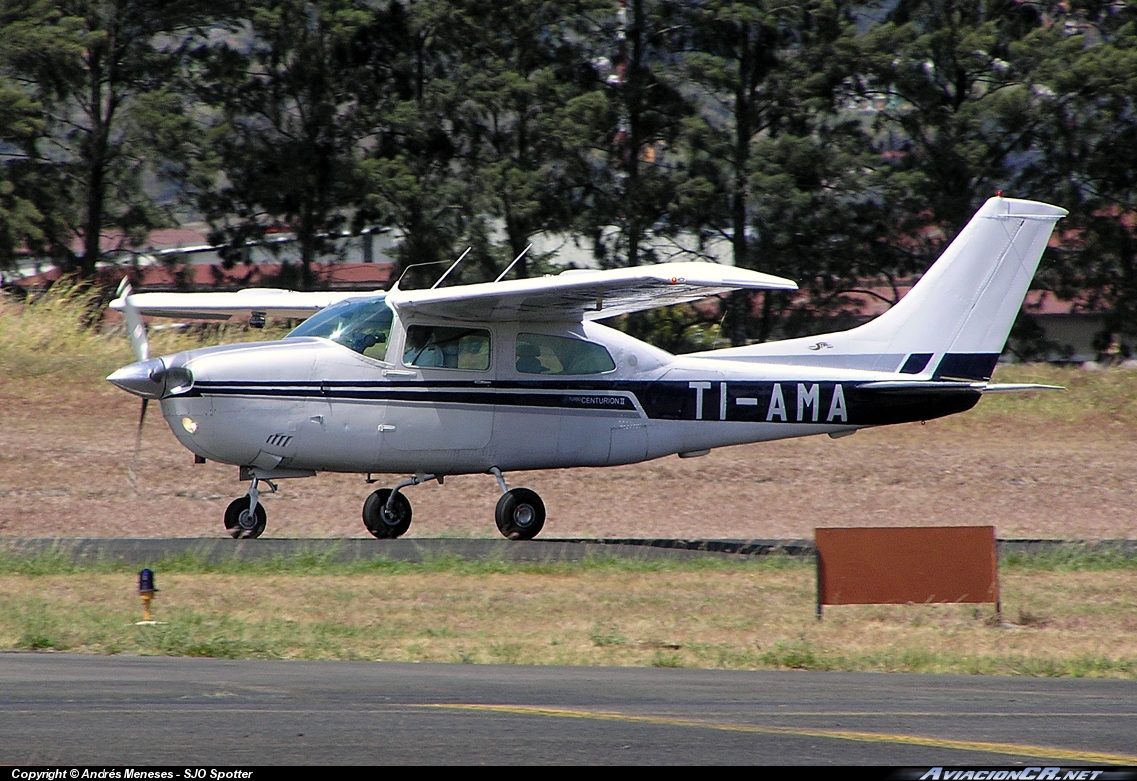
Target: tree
(615, 139)
(955, 110)
(1084, 72)
(283, 124)
(407, 175)
(24, 28)
(516, 63)
(770, 157)
(96, 61)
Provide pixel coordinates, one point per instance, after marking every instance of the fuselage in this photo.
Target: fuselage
(451, 397)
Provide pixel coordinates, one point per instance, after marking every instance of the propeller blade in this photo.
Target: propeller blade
(137, 446)
(134, 325)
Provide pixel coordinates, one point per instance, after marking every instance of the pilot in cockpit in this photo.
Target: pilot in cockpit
(421, 349)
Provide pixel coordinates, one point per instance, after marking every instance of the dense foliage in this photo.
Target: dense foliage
(838, 143)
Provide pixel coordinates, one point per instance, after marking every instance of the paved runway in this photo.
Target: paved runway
(62, 708)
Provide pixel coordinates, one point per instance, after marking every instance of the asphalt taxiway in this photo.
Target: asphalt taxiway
(75, 709)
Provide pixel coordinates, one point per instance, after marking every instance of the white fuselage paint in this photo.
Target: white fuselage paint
(311, 404)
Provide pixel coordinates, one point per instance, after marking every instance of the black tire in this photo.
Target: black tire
(384, 525)
(239, 523)
(520, 514)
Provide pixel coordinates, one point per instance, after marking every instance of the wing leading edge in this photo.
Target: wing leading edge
(583, 295)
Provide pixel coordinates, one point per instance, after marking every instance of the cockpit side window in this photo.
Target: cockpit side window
(363, 326)
(446, 347)
(544, 354)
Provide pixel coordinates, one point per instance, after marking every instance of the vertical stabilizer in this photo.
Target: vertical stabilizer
(955, 321)
(967, 302)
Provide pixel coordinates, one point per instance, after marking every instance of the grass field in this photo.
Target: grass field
(1069, 617)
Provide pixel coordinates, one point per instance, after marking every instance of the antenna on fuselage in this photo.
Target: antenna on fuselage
(509, 268)
(454, 266)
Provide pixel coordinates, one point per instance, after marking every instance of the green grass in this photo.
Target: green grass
(1072, 557)
(60, 563)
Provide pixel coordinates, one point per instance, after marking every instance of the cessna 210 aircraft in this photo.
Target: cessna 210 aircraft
(515, 375)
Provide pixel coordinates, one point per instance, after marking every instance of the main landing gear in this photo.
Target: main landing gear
(520, 513)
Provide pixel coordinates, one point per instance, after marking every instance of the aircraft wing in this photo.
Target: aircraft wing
(582, 294)
(222, 306)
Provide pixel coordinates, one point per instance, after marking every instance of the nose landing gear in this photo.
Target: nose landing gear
(245, 517)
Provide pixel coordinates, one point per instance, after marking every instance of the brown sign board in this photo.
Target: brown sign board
(899, 565)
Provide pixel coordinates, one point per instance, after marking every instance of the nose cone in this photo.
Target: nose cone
(152, 380)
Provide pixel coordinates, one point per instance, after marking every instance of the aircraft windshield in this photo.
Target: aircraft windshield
(360, 325)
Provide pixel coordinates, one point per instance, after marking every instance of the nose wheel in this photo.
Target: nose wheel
(243, 523)
(245, 518)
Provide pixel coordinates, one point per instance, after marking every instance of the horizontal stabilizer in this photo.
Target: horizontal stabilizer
(934, 386)
(1017, 387)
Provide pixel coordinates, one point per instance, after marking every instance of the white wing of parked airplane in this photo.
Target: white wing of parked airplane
(583, 294)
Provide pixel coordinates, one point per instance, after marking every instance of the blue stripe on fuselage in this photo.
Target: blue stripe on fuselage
(826, 402)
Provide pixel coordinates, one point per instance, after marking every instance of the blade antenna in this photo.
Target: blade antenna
(454, 266)
(514, 263)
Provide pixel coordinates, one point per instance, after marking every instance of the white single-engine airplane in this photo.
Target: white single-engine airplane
(512, 375)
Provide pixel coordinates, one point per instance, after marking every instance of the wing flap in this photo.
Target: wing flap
(583, 295)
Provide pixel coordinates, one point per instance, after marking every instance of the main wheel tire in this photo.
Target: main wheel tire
(520, 514)
(240, 523)
(383, 524)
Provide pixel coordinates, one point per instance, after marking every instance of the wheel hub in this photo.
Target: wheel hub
(523, 515)
(246, 520)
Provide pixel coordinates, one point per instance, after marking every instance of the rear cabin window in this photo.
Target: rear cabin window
(543, 354)
(445, 347)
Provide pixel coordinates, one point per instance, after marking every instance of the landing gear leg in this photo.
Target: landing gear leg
(245, 518)
(387, 513)
(520, 513)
